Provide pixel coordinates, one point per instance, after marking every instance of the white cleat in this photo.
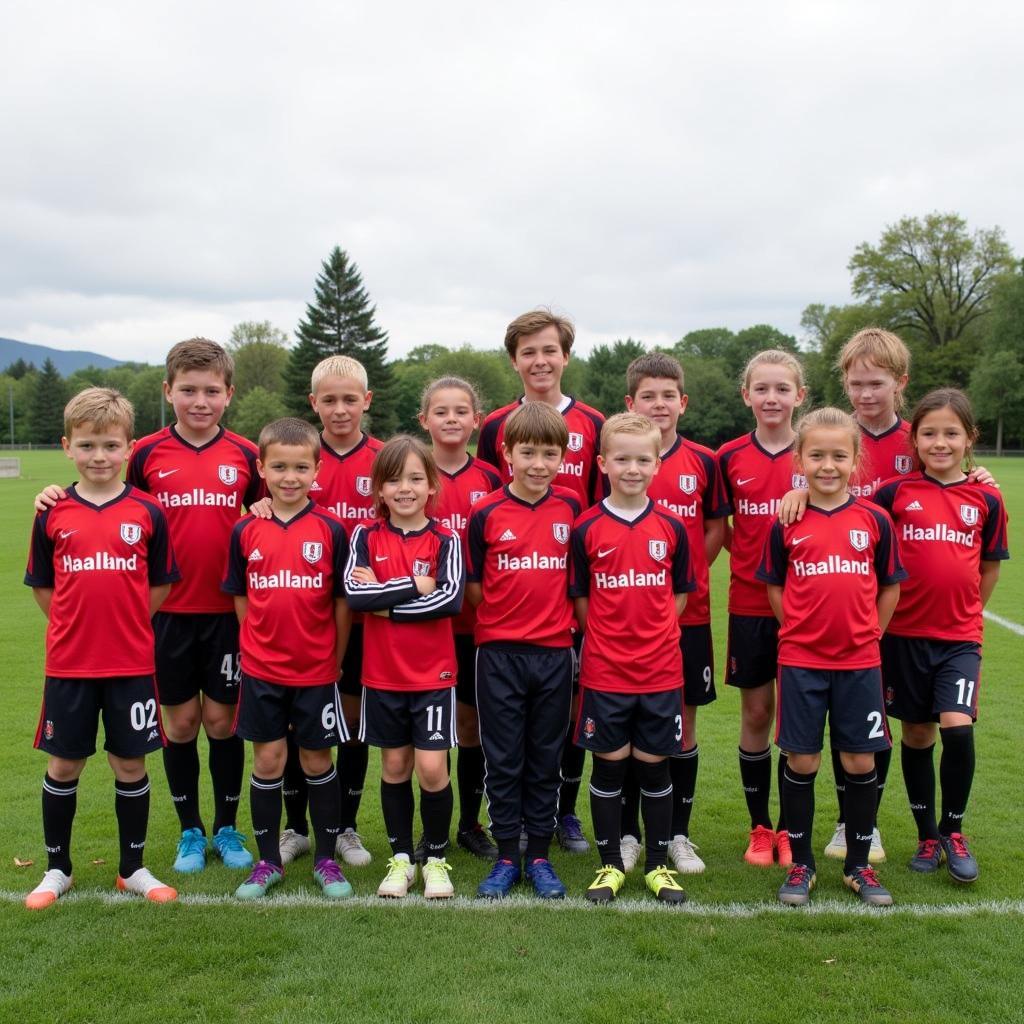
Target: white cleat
(401, 874)
(142, 883)
(436, 883)
(350, 849)
(54, 884)
(684, 856)
(293, 845)
(836, 848)
(629, 850)
(876, 855)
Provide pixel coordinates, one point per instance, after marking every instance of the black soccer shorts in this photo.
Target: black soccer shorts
(197, 653)
(925, 677)
(698, 664)
(351, 681)
(465, 659)
(424, 719)
(651, 722)
(266, 710)
(753, 651)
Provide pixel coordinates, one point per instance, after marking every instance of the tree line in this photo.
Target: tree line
(955, 296)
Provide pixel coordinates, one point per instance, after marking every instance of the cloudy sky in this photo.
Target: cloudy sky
(168, 170)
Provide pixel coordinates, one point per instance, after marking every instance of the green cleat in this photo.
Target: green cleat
(334, 884)
(605, 887)
(662, 882)
(264, 876)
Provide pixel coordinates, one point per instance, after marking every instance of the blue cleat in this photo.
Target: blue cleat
(191, 857)
(569, 833)
(229, 845)
(498, 884)
(546, 884)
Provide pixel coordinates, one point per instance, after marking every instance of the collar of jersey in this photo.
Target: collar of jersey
(386, 522)
(939, 483)
(458, 472)
(326, 449)
(570, 401)
(310, 505)
(523, 501)
(72, 492)
(885, 433)
(626, 522)
(196, 447)
(830, 511)
(764, 451)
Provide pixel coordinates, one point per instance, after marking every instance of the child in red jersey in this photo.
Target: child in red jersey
(630, 577)
(285, 575)
(450, 412)
(689, 483)
(538, 344)
(202, 475)
(100, 564)
(757, 470)
(833, 582)
(518, 578)
(408, 571)
(952, 539)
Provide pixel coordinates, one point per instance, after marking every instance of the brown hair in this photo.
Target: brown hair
(449, 382)
(290, 430)
(878, 346)
(199, 354)
(949, 398)
(774, 357)
(631, 423)
(390, 461)
(103, 408)
(536, 423)
(831, 417)
(534, 321)
(659, 365)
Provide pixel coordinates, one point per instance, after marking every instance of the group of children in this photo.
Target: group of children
(547, 597)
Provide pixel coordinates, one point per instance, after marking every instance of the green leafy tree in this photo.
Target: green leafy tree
(826, 330)
(340, 321)
(261, 357)
(146, 393)
(997, 390)
(604, 384)
(715, 412)
(251, 413)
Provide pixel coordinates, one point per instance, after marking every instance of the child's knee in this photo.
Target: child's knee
(61, 769)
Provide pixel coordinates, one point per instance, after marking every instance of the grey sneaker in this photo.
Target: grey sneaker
(864, 882)
(293, 845)
(796, 890)
(959, 860)
(569, 833)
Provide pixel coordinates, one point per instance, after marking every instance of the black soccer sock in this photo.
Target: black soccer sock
(470, 777)
(839, 774)
(573, 760)
(606, 781)
(781, 769)
(800, 811)
(436, 817)
(683, 771)
(656, 804)
(295, 790)
(538, 847)
(956, 773)
(60, 801)
(324, 811)
(508, 849)
(883, 758)
(352, 761)
(919, 778)
(227, 765)
(397, 805)
(265, 809)
(861, 804)
(756, 776)
(131, 805)
(181, 766)
(630, 802)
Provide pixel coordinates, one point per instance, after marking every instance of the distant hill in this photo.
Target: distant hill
(66, 362)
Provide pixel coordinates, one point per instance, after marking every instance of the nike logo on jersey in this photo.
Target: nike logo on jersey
(800, 540)
(64, 534)
(507, 535)
(256, 555)
(607, 551)
(914, 506)
(740, 483)
(165, 472)
(381, 558)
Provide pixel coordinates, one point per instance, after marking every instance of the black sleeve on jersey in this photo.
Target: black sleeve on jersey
(723, 469)
(993, 533)
(888, 567)
(339, 555)
(713, 502)
(257, 486)
(774, 558)
(475, 543)
(235, 581)
(492, 477)
(886, 496)
(451, 582)
(487, 443)
(372, 597)
(162, 566)
(136, 474)
(40, 554)
(683, 580)
(579, 565)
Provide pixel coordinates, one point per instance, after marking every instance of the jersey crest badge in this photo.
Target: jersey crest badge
(363, 485)
(687, 483)
(312, 551)
(227, 474)
(904, 463)
(589, 728)
(475, 496)
(575, 441)
(420, 567)
(131, 533)
(48, 730)
(658, 549)
(799, 482)
(968, 513)
(561, 532)
(859, 539)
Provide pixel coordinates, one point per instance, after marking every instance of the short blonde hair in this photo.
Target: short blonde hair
(830, 417)
(633, 424)
(535, 423)
(339, 366)
(536, 320)
(774, 357)
(103, 408)
(883, 348)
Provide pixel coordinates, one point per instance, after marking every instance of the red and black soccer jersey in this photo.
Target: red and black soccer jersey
(830, 566)
(882, 456)
(945, 532)
(459, 491)
(202, 491)
(343, 483)
(412, 648)
(630, 573)
(688, 482)
(579, 472)
(519, 553)
(291, 573)
(755, 483)
(100, 561)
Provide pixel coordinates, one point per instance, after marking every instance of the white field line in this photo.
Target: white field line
(1013, 627)
(818, 908)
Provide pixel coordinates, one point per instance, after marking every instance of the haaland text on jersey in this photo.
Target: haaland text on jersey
(612, 581)
(100, 561)
(832, 565)
(285, 579)
(531, 561)
(940, 533)
(197, 496)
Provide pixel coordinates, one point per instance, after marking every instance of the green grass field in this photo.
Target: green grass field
(731, 954)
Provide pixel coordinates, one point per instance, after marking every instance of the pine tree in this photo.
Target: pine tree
(46, 416)
(340, 321)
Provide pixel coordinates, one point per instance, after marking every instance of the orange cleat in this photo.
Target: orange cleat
(761, 851)
(782, 849)
(54, 884)
(142, 883)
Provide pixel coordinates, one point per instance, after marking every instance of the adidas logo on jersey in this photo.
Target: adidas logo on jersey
(507, 535)
(914, 506)
(256, 555)
(436, 736)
